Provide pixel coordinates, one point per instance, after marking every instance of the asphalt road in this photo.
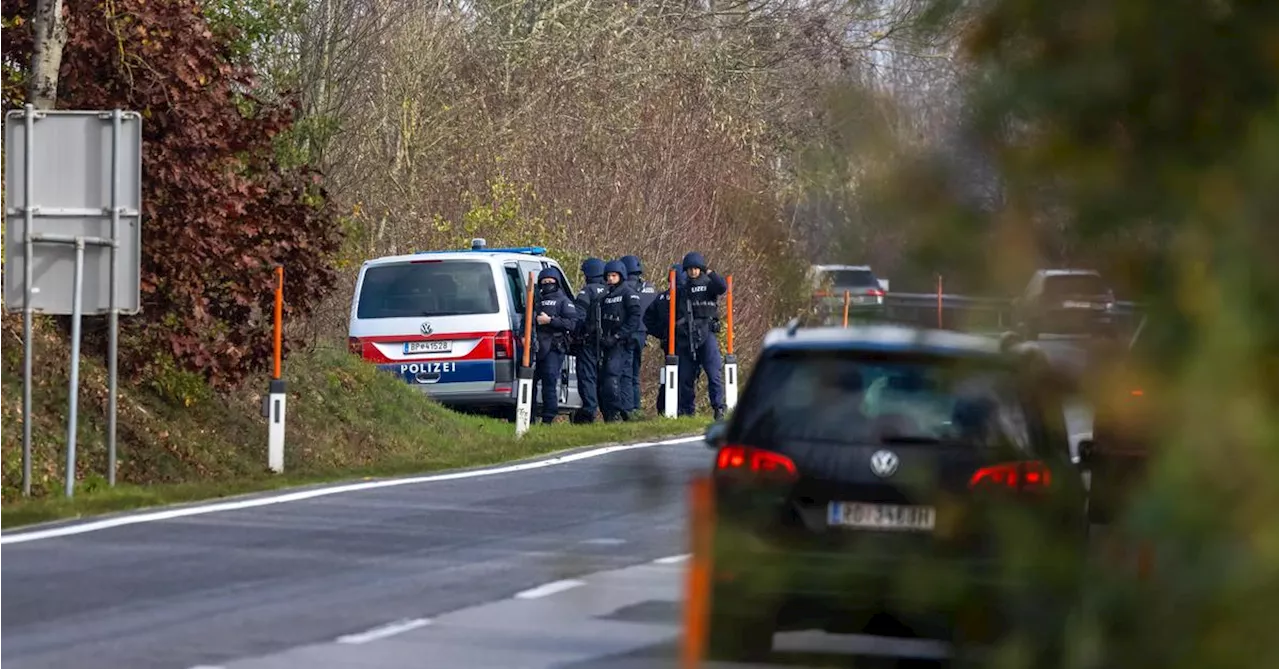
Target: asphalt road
(572, 565)
(205, 590)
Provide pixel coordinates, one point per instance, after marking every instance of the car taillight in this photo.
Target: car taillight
(1029, 475)
(754, 462)
(875, 292)
(355, 346)
(503, 345)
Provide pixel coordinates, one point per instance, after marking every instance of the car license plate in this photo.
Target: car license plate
(1072, 304)
(434, 346)
(881, 516)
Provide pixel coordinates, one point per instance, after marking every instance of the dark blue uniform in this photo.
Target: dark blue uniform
(647, 293)
(620, 318)
(587, 342)
(553, 340)
(697, 321)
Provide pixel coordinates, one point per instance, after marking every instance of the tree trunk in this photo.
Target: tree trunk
(49, 32)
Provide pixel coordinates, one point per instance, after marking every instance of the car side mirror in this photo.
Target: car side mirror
(715, 434)
(1085, 451)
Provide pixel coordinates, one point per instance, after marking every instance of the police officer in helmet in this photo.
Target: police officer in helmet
(647, 293)
(620, 318)
(697, 322)
(587, 343)
(556, 320)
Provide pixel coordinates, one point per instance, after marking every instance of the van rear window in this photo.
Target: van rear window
(434, 288)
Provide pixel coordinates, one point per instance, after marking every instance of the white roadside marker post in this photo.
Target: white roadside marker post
(670, 394)
(730, 360)
(277, 392)
(524, 376)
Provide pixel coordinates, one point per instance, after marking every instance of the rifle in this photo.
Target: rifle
(598, 326)
(693, 347)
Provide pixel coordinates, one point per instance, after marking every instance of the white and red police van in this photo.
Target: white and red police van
(451, 322)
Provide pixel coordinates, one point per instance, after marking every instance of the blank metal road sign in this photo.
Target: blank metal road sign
(71, 195)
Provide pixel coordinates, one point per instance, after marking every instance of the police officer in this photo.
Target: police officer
(556, 321)
(620, 318)
(697, 322)
(587, 343)
(647, 293)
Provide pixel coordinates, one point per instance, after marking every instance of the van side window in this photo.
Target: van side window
(515, 288)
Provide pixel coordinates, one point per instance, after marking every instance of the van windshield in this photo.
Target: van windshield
(428, 288)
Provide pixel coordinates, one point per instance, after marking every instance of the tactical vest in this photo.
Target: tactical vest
(701, 303)
(613, 311)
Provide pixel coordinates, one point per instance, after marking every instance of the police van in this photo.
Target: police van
(451, 322)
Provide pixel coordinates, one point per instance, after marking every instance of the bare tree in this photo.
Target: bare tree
(50, 36)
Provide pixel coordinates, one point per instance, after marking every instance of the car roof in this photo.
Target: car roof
(882, 338)
(829, 268)
(500, 256)
(1070, 272)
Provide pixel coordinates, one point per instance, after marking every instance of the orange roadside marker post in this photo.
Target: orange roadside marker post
(846, 309)
(730, 360)
(277, 393)
(524, 375)
(697, 608)
(939, 301)
(672, 366)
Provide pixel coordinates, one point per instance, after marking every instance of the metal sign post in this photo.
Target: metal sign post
(77, 219)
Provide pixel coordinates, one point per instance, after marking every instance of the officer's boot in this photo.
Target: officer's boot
(719, 413)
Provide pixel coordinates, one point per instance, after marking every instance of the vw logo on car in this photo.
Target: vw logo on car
(884, 463)
(426, 328)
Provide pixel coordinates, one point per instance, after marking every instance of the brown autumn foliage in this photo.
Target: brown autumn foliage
(219, 209)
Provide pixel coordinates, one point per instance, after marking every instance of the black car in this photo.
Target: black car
(1066, 302)
(861, 478)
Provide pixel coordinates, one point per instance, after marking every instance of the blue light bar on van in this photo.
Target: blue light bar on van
(527, 250)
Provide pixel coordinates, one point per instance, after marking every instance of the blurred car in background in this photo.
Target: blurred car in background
(859, 459)
(831, 282)
(1074, 302)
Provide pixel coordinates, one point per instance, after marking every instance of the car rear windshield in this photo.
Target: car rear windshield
(1074, 285)
(854, 398)
(850, 278)
(431, 288)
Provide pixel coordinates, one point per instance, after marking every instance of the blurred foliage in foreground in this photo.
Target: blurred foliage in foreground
(1144, 132)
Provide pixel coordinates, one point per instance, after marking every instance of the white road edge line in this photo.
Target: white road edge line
(390, 629)
(549, 589)
(170, 514)
(672, 559)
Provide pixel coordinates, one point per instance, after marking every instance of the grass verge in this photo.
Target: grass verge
(179, 442)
